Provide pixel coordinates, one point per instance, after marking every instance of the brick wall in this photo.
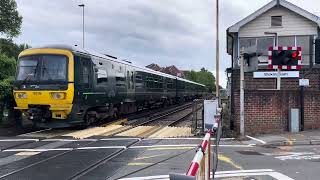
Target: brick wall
(267, 111)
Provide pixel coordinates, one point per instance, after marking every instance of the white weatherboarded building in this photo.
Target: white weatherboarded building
(266, 109)
(294, 27)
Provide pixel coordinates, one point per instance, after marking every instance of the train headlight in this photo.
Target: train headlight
(21, 95)
(58, 95)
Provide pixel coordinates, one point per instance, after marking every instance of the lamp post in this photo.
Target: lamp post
(82, 5)
(217, 51)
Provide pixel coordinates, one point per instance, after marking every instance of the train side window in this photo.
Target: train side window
(128, 79)
(138, 79)
(132, 84)
(102, 76)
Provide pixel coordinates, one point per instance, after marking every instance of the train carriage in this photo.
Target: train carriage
(62, 86)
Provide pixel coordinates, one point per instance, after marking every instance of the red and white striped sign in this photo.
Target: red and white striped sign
(285, 67)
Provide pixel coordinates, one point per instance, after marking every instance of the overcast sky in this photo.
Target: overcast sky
(166, 32)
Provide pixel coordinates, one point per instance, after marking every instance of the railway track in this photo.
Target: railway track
(159, 124)
(140, 125)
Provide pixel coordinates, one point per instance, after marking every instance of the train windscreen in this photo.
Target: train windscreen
(42, 68)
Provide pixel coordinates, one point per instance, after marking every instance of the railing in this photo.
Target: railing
(197, 117)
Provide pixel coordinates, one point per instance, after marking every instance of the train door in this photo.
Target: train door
(86, 80)
(83, 81)
(130, 84)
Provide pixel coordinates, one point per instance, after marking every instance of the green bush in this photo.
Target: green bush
(7, 72)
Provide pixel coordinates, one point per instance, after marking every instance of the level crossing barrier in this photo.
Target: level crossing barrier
(200, 167)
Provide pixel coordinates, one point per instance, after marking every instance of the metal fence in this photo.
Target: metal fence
(197, 127)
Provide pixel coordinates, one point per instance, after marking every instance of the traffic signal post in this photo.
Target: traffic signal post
(279, 80)
(242, 92)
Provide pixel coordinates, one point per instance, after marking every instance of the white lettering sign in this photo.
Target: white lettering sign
(303, 82)
(274, 74)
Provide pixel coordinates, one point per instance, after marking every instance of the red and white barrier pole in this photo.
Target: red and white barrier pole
(200, 165)
(195, 164)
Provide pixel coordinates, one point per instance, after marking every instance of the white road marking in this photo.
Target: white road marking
(259, 140)
(70, 140)
(245, 171)
(224, 174)
(189, 145)
(105, 147)
(37, 150)
(278, 175)
(295, 155)
(234, 145)
(222, 139)
(119, 139)
(35, 132)
(161, 177)
(167, 145)
(17, 140)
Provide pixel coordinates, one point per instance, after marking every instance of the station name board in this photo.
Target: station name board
(274, 74)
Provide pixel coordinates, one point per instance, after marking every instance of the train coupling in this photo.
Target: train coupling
(40, 113)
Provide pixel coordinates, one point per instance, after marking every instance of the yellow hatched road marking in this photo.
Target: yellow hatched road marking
(148, 157)
(289, 140)
(226, 159)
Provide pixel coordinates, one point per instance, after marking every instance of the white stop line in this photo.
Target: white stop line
(226, 174)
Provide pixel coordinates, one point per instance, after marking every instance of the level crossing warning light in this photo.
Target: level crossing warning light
(282, 57)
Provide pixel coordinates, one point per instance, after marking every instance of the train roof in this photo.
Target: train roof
(93, 53)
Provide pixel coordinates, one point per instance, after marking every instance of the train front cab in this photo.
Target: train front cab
(44, 86)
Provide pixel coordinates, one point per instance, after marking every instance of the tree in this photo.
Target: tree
(10, 20)
(10, 49)
(203, 76)
(7, 72)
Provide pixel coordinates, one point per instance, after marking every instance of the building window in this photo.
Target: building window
(276, 21)
(304, 43)
(286, 41)
(263, 45)
(247, 43)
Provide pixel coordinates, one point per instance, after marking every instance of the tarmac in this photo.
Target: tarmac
(274, 156)
(309, 137)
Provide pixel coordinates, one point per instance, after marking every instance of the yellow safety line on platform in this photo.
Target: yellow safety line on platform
(226, 159)
(27, 153)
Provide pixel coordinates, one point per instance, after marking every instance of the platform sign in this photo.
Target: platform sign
(210, 111)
